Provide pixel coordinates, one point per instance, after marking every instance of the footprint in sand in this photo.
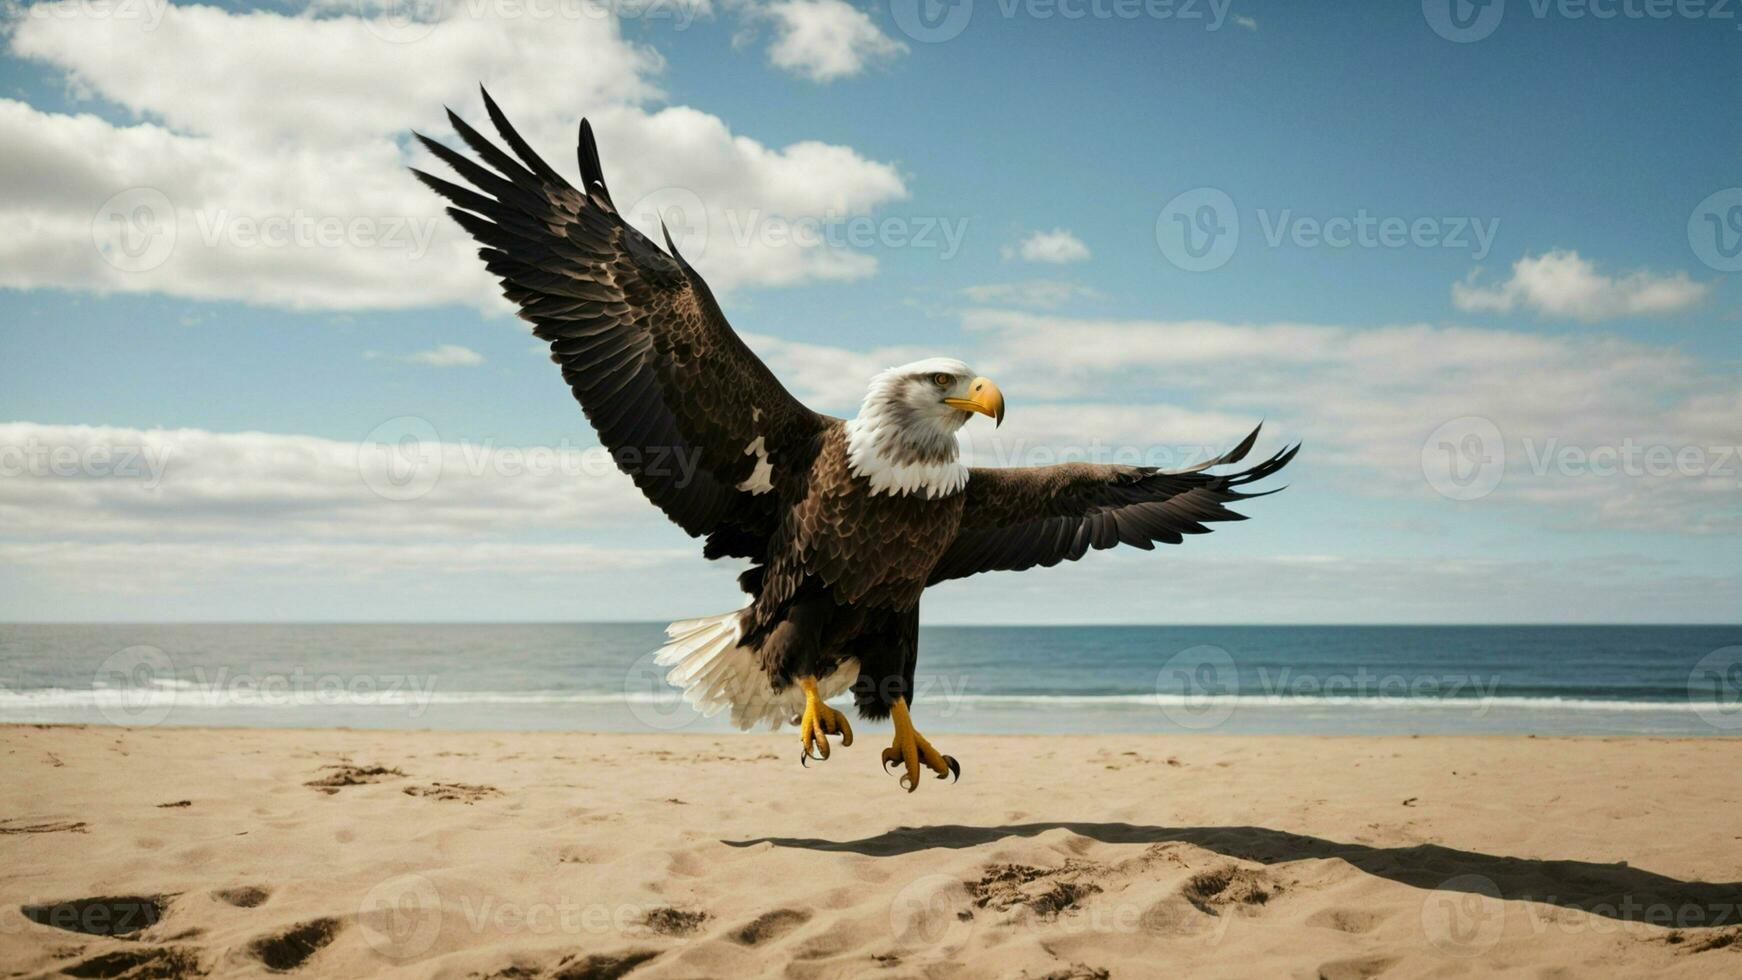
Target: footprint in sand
(293, 947)
(770, 926)
(106, 916)
(674, 921)
(1354, 921)
(1047, 891)
(685, 865)
(453, 792)
(52, 827)
(595, 967)
(1356, 969)
(1210, 891)
(349, 775)
(245, 897)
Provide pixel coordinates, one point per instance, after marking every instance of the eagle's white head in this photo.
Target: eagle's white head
(904, 437)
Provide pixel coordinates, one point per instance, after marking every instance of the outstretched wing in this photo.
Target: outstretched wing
(1020, 517)
(685, 408)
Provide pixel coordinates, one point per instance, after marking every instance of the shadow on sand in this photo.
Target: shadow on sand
(1614, 891)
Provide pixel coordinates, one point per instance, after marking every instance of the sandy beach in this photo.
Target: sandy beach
(185, 852)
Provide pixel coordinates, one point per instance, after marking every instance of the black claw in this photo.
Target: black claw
(955, 768)
(804, 758)
(887, 763)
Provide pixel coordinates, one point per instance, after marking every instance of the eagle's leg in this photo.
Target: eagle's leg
(818, 722)
(911, 749)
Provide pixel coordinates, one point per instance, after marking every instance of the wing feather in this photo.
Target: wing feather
(640, 340)
(1024, 517)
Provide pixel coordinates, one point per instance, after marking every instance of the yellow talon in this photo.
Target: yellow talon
(819, 722)
(910, 749)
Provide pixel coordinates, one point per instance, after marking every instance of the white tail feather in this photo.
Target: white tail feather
(716, 673)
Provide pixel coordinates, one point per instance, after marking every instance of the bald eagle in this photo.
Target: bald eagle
(845, 522)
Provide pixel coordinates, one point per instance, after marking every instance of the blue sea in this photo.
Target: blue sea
(1548, 680)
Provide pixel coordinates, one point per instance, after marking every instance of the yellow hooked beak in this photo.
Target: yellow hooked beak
(983, 397)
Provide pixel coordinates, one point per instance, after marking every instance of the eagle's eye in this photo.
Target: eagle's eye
(942, 380)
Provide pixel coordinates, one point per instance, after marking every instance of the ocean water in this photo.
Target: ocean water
(1663, 680)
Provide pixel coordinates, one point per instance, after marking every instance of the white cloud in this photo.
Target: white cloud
(1563, 285)
(824, 40)
(829, 379)
(1250, 23)
(89, 482)
(1057, 247)
(1366, 400)
(231, 190)
(1044, 294)
(441, 355)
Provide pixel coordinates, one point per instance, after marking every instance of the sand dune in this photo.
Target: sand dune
(182, 852)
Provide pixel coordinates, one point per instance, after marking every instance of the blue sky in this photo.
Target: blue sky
(1595, 319)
